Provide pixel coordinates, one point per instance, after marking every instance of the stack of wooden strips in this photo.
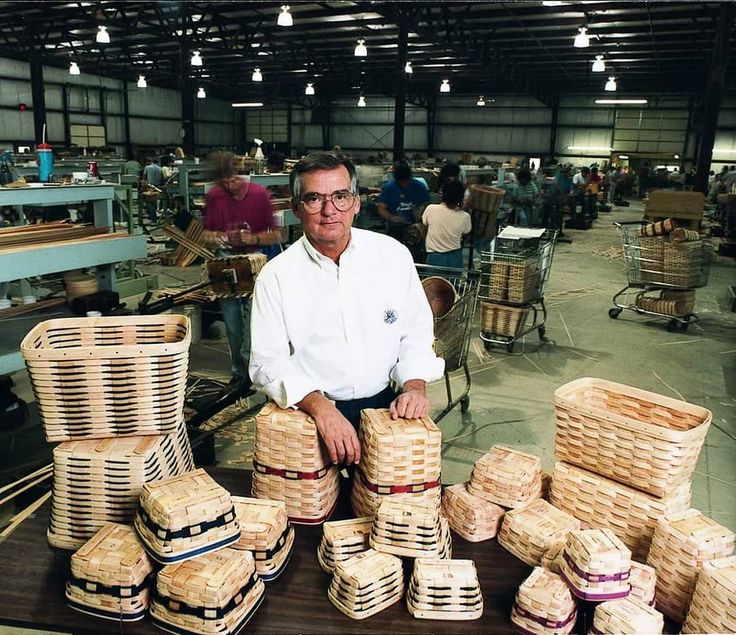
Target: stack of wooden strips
(643, 583)
(543, 605)
(111, 575)
(265, 531)
(682, 543)
(713, 609)
(596, 565)
(367, 584)
(185, 516)
(626, 616)
(529, 532)
(22, 309)
(291, 465)
(444, 590)
(600, 502)
(507, 477)
(343, 539)
(471, 517)
(400, 459)
(45, 234)
(217, 592)
(191, 245)
(99, 481)
(414, 530)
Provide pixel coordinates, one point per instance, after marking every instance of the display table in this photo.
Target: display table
(32, 589)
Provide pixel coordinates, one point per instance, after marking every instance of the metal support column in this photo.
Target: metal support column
(126, 121)
(38, 96)
(289, 119)
(243, 132)
(431, 118)
(716, 78)
(65, 114)
(327, 125)
(400, 99)
(553, 129)
(187, 102)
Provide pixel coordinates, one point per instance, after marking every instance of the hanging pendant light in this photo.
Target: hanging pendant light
(361, 102)
(285, 18)
(582, 40)
(142, 82)
(74, 69)
(611, 84)
(257, 77)
(599, 65)
(481, 101)
(408, 69)
(360, 49)
(103, 37)
(309, 90)
(196, 59)
(201, 94)
(445, 86)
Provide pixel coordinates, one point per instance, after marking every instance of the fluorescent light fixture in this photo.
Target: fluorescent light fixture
(247, 104)
(201, 94)
(141, 82)
(623, 156)
(445, 86)
(103, 37)
(724, 151)
(360, 49)
(309, 90)
(361, 102)
(582, 40)
(630, 102)
(481, 101)
(599, 65)
(408, 69)
(611, 85)
(196, 59)
(677, 156)
(591, 148)
(74, 69)
(257, 77)
(285, 18)
(552, 3)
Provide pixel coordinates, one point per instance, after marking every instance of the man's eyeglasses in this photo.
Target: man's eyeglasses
(314, 202)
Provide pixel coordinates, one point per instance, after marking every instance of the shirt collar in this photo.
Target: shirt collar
(321, 259)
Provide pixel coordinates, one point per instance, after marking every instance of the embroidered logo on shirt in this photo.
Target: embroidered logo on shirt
(390, 316)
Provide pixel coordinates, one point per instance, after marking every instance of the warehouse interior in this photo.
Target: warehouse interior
(494, 87)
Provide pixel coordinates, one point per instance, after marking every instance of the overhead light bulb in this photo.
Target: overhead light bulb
(481, 101)
(142, 82)
(196, 59)
(552, 3)
(611, 84)
(74, 69)
(582, 40)
(103, 37)
(360, 49)
(445, 86)
(408, 69)
(361, 102)
(285, 18)
(201, 94)
(309, 90)
(257, 77)
(599, 65)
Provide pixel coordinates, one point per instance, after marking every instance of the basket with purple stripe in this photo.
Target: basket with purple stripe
(544, 605)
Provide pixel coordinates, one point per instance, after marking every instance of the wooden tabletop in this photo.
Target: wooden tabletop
(32, 587)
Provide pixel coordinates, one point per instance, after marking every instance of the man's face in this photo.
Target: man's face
(231, 184)
(330, 228)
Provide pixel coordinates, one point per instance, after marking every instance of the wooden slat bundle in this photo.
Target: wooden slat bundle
(51, 232)
(190, 243)
(22, 309)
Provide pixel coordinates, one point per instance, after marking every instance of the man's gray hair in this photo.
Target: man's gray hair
(318, 162)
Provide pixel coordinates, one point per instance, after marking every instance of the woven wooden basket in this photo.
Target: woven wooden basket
(343, 539)
(524, 280)
(486, 197)
(410, 530)
(440, 293)
(626, 616)
(682, 542)
(552, 557)
(213, 594)
(110, 376)
(639, 438)
(185, 516)
(234, 276)
(530, 531)
(366, 584)
(601, 502)
(651, 260)
(713, 609)
(111, 575)
(500, 319)
(544, 604)
(674, 303)
(444, 590)
(596, 565)
(265, 531)
(471, 517)
(643, 581)
(99, 481)
(685, 264)
(507, 477)
(495, 282)
(365, 501)
(291, 465)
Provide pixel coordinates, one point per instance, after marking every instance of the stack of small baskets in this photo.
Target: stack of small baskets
(444, 590)
(713, 609)
(111, 390)
(626, 616)
(343, 539)
(669, 302)
(671, 256)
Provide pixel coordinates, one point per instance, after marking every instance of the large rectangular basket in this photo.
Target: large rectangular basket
(500, 319)
(713, 609)
(648, 441)
(101, 377)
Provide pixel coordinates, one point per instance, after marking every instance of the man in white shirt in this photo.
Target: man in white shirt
(340, 315)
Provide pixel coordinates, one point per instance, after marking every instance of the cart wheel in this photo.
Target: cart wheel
(684, 326)
(510, 347)
(542, 331)
(614, 312)
(672, 325)
(464, 404)
(488, 346)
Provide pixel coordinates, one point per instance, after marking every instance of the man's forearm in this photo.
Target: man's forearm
(417, 385)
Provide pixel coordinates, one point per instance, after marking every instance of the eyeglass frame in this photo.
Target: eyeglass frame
(327, 197)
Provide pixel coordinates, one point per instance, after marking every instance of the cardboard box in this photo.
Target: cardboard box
(663, 203)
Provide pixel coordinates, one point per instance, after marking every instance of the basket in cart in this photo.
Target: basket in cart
(663, 271)
(452, 328)
(514, 277)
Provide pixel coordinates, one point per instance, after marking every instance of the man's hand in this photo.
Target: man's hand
(412, 403)
(336, 431)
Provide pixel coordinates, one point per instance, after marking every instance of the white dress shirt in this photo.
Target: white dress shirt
(343, 330)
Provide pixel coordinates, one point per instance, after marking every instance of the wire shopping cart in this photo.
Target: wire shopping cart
(663, 273)
(452, 330)
(514, 276)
